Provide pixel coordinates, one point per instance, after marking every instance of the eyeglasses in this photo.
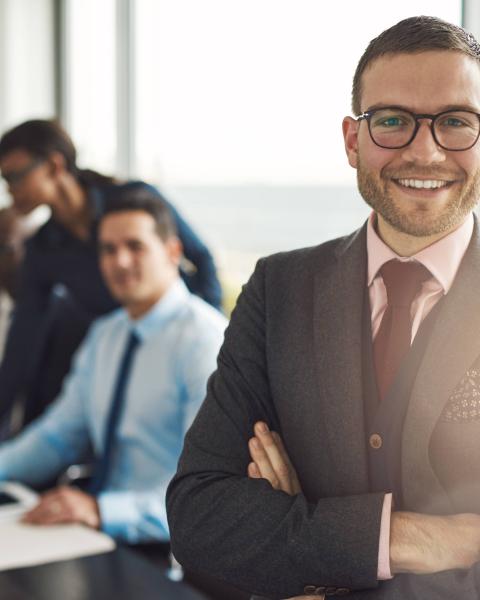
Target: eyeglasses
(394, 128)
(15, 177)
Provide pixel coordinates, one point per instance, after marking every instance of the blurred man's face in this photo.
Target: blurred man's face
(29, 179)
(138, 266)
(421, 189)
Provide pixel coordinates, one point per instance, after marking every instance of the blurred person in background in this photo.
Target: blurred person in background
(13, 231)
(60, 287)
(136, 383)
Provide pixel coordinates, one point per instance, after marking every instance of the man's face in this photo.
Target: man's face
(29, 179)
(136, 264)
(427, 82)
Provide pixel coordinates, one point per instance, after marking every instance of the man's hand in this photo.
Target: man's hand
(271, 461)
(419, 543)
(425, 544)
(65, 505)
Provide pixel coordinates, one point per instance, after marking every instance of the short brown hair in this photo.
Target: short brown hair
(412, 35)
(136, 196)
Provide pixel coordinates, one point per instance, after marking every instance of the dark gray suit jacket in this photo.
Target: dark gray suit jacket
(292, 356)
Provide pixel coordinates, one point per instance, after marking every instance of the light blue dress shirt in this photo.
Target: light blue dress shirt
(180, 338)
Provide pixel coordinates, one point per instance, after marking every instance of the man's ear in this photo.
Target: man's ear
(57, 163)
(350, 138)
(174, 249)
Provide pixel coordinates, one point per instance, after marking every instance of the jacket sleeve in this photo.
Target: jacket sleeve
(241, 530)
(204, 282)
(25, 332)
(59, 437)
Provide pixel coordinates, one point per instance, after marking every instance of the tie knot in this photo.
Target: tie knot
(133, 340)
(403, 281)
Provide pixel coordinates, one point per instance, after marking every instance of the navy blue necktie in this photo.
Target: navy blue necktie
(118, 400)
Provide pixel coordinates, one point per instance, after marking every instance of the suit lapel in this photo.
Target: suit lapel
(453, 346)
(338, 317)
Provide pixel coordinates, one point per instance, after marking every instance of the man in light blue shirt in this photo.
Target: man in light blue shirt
(178, 338)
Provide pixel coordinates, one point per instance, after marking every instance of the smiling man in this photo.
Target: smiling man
(364, 354)
(416, 154)
(136, 384)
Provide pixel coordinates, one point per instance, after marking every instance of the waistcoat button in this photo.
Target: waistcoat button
(376, 441)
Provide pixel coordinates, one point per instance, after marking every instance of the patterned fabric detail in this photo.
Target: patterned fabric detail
(464, 404)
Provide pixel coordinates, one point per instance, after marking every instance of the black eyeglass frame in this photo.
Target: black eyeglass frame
(368, 114)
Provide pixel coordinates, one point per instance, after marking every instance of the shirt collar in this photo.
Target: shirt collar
(169, 305)
(442, 258)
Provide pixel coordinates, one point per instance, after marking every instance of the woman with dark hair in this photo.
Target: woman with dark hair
(60, 280)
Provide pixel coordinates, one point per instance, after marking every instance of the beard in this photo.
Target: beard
(419, 222)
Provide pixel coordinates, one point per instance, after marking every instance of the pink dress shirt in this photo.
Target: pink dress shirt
(442, 259)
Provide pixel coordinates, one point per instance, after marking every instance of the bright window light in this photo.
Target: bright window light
(90, 73)
(232, 92)
(238, 116)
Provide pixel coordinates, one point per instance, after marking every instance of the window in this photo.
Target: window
(237, 111)
(90, 72)
(26, 64)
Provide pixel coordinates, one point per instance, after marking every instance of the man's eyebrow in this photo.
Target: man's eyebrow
(445, 108)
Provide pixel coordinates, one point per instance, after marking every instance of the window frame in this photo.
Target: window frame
(126, 76)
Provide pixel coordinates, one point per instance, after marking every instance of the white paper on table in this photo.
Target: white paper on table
(24, 500)
(24, 545)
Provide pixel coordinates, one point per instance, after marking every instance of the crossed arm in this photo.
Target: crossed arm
(241, 530)
(419, 544)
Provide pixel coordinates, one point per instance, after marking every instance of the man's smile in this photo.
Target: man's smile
(423, 183)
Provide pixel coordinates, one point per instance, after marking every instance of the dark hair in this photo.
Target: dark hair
(142, 199)
(412, 35)
(41, 138)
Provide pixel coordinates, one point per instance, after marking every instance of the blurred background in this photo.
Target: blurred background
(233, 108)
